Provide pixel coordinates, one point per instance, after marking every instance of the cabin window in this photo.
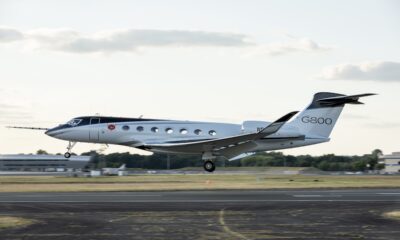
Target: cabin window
(197, 132)
(154, 129)
(125, 127)
(183, 131)
(140, 129)
(169, 130)
(212, 132)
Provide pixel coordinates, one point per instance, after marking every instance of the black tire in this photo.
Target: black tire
(209, 166)
(67, 155)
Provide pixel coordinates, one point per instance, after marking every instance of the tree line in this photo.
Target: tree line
(328, 162)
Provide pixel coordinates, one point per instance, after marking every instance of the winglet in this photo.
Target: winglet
(275, 126)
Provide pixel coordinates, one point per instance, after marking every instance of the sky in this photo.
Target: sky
(224, 61)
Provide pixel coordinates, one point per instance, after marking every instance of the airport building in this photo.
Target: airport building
(22, 162)
(391, 162)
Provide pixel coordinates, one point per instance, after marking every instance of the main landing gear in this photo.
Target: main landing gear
(209, 166)
(69, 149)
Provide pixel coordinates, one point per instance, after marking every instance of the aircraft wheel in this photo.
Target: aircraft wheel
(209, 166)
(67, 155)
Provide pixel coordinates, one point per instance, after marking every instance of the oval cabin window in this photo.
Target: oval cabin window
(197, 132)
(183, 131)
(212, 132)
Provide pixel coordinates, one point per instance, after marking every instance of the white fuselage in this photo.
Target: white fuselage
(138, 133)
(313, 125)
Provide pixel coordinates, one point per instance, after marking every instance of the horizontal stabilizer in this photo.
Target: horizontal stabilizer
(340, 100)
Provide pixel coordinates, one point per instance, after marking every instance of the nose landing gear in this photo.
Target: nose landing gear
(69, 149)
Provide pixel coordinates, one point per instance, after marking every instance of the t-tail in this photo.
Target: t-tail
(319, 118)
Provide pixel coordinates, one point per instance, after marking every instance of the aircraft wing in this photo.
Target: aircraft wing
(223, 143)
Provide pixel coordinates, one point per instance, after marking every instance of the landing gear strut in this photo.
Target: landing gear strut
(69, 149)
(209, 166)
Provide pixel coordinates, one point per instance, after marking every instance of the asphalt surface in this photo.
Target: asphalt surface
(285, 214)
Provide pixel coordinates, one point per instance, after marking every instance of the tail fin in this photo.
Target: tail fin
(122, 167)
(319, 118)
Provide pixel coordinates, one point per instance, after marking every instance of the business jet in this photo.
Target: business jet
(113, 171)
(211, 140)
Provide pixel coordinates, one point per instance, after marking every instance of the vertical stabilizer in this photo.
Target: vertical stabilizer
(319, 118)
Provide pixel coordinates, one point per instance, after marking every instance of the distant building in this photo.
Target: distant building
(22, 162)
(391, 162)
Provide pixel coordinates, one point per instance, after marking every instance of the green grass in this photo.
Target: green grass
(153, 182)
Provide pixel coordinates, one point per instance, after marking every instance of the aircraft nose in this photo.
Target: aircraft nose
(50, 132)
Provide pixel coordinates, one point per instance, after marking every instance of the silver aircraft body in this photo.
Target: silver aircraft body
(113, 171)
(311, 126)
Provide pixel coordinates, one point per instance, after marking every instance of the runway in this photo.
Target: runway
(283, 214)
(208, 196)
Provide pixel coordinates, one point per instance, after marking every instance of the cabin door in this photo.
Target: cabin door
(94, 130)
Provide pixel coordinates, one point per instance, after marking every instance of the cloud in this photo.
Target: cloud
(289, 47)
(130, 40)
(374, 71)
(121, 40)
(10, 35)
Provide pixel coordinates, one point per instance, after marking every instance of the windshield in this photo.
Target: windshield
(74, 122)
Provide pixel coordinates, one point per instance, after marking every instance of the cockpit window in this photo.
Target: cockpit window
(74, 122)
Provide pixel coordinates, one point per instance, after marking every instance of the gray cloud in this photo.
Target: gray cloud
(10, 35)
(121, 40)
(374, 71)
(130, 40)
